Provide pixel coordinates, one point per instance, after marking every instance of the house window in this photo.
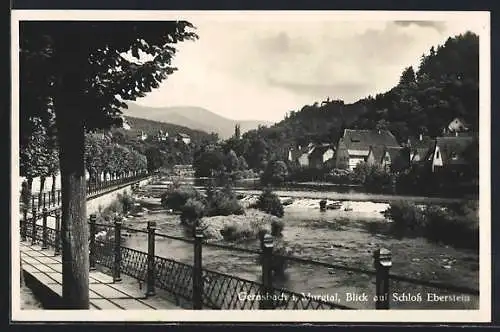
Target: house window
(437, 155)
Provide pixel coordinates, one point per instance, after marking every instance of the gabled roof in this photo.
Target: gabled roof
(318, 151)
(453, 149)
(183, 135)
(378, 152)
(361, 140)
(400, 157)
(421, 147)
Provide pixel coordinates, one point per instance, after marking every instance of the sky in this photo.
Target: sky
(259, 67)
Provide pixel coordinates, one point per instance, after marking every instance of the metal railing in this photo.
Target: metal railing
(205, 288)
(52, 199)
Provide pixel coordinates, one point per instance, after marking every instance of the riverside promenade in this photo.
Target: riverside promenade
(42, 272)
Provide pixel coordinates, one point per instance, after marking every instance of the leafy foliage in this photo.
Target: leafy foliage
(222, 202)
(270, 203)
(436, 222)
(275, 173)
(177, 196)
(373, 177)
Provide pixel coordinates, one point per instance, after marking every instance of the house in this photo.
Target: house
(418, 148)
(162, 136)
(125, 124)
(142, 136)
(457, 125)
(453, 152)
(300, 155)
(354, 146)
(320, 155)
(185, 138)
(395, 159)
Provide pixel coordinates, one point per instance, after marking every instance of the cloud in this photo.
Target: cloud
(260, 69)
(438, 25)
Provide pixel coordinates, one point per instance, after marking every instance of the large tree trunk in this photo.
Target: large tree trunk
(53, 189)
(42, 187)
(74, 227)
(30, 191)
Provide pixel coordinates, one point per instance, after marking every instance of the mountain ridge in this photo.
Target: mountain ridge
(194, 117)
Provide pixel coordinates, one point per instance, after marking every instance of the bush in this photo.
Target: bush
(192, 211)
(127, 202)
(222, 202)
(268, 202)
(456, 225)
(450, 227)
(409, 220)
(277, 227)
(373, 177)
(176, 197)
(234, 233)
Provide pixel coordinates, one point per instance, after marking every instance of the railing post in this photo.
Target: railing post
(57, 240)
(267, 272)
(32, 202)
(117, 249)
(150, 279)
(33, 225)
(58, 197)
(383, 262)
(44, 200)
(24, 224)
(92, 248)
(197, 270)
(44, 228)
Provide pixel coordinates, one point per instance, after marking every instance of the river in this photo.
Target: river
(335, 236)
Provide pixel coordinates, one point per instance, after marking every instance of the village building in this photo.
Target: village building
(354, 146)
(142, 136)
(321, 155)
(456, 125)
(418, 148)
(185, 138)
(394, 159)
(300, 155)
(161, 136)
(454, 153)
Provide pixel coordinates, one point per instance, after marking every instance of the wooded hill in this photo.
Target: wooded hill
(445, 86)
(151, 128)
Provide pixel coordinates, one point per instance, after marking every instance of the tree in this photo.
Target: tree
(231, 161)
(94, 155)
(237, 131)
(408, 76)
(209, 163)
(33, 153)
(154, 158)
(275, 173)
(81, 66)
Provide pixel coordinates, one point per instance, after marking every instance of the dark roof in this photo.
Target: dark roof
(378, 152)
(453, 148)
(362, 139)
(318, 151)
(400, 157)
(421, 147)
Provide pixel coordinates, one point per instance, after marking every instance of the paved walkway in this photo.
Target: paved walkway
(104, 294)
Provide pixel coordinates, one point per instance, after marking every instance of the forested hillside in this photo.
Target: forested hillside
(444, 86)
(151, 127)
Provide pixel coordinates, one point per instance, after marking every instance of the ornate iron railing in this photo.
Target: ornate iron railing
(205, 288)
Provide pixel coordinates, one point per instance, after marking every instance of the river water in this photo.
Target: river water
(341, 237)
